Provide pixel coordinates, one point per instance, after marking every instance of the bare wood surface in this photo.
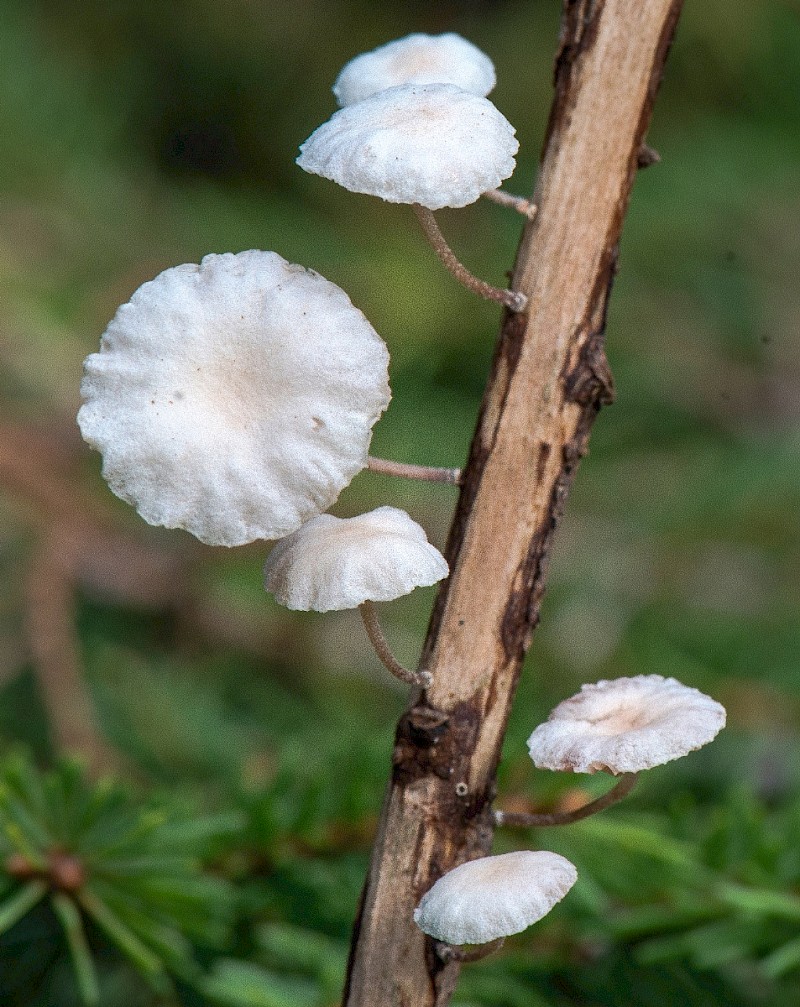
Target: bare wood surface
(548, 381)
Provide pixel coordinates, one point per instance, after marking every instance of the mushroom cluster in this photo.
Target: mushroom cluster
(236, 399)
(416, 127)
(622, 727)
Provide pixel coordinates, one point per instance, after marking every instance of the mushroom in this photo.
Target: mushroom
(416, 59)
(626, 725)
(493, 897)
(431, 145)
(621, 726)
(236, 398)
(331, 563)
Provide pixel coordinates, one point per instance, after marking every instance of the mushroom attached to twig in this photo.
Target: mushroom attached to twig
(235, 399)
(430, 145)
(491, 898)
(622, 727)
(331, 563)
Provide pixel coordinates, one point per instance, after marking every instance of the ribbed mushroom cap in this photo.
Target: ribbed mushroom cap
(494, 897)
(431, 144)
(416, 59)
(236, 398)
(626, 725)
(334, 563)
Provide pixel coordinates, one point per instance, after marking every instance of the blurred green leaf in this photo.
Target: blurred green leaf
(79, 950)
(15, 908)
(243, 984)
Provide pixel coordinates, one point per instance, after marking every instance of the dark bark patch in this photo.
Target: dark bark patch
(590, 381)
(647, 156)
(430, 742)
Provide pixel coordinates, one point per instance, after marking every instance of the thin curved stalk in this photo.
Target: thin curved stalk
(623, 787)
(519, 203)
(514, 300)
(382, 649)
(407, 470)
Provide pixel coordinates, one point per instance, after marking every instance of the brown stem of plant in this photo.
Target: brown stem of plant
(407, 470)
(382, 649)
(56, 654)
(549, 379)
(519, 203)
(512, 299)
(624, 786)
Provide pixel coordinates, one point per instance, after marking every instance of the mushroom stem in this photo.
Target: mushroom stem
(390, 662)
(514, 300)
(519, 203)
(450, 953)
(623, 787)
(407, 470)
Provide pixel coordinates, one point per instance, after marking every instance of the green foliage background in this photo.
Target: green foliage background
(135, 136)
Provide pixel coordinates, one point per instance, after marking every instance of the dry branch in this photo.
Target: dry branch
(548, 381)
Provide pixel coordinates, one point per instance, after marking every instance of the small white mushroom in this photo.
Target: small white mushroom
(494, 897)
(435, 145)
(332, 563)
(236, 398)
(430, 145)
(625, 726)
(416, 59)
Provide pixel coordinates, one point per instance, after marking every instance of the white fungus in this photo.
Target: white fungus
(493, 897)
(236, 398)
(626, 725)
(334, 563)
(432, 144)
(416, 59)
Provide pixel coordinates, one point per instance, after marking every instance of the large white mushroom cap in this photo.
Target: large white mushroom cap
(416, 59)
(494, 897)
(626, 725)
(334, 563)
(236, 398)
(431, 144)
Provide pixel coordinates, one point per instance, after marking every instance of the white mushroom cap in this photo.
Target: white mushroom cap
(432, 144)
(494, 897)
(416, 59)
(335, 563)
(236, 398)
(626, 725)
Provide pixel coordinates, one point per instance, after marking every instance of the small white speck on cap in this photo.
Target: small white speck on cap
(235, 398)
(494, 897)
(432, 144)
(626, 725)
(331, 563)
(416, 59)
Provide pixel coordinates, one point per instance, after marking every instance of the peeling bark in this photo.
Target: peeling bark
(548, 381)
